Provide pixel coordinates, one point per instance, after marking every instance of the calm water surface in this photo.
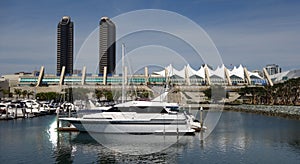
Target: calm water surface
(238, 138)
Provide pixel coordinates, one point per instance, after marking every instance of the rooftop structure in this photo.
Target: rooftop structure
(273, 69)
(187, 76)
(283, 76)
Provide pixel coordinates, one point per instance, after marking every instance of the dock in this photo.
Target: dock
(67, 129)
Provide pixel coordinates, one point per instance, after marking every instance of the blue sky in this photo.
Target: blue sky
(252, 33)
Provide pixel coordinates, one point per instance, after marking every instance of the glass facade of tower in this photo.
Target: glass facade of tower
(107, 46)
(65, 45)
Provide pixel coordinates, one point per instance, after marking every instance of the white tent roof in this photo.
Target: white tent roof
(239, 72)
(160, 73)
(254, 74)
(219, 72)
(192, 72)
(171, 72)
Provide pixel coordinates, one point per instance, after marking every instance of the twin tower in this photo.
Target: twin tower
(65, 42)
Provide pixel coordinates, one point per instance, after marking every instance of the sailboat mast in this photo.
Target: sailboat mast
(123, 73)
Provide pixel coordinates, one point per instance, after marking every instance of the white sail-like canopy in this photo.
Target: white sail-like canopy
(219, 72)
(254, 74)
(239, 72)
(191, 72)
(171, 72)
(180, 73)
(159, 73)
(201, 72)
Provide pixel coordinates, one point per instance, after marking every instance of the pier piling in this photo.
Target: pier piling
(201, 117)
(24, 112)
(16, 110)
(6, 113)
(57, 118)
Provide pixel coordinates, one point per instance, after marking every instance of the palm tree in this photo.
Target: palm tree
(24, 93)
(99, 94)
(5, 92)
(108, 95)
(30, 93)
(18, 92)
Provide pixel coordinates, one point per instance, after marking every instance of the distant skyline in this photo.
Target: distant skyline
(251, 33)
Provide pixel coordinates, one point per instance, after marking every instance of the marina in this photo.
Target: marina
(149, 82)
(238, 137)
(28, 108)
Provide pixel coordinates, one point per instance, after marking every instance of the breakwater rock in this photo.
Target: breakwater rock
(292, 112)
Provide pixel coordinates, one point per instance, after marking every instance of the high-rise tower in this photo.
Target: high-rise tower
(107, 46)
(65, 45)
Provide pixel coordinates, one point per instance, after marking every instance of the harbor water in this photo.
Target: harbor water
(237, 138)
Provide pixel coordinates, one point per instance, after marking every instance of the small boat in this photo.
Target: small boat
(32, 107)
(3, 108)
(16, 109)
(102, 106)
(4, 114)
(48, 107)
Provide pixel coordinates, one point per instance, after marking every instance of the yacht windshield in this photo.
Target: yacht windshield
(173, 108)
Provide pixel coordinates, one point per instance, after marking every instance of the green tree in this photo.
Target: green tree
(5, 92)
(47, 96)
(253, 91)
(24, 93)
(30, 93)
(108, 95)
(18, 92)
(287, 93)
(99, 94)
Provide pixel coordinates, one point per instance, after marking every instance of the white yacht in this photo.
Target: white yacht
(102, 107)
(137, 117)
(32, 106)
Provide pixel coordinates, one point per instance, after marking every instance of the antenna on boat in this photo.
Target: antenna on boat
(123, 73)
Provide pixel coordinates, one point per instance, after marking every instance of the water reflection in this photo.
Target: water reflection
(63, 151)
(238, 137)
(69, 143)
(230, 134)
(52, 134)
(115, 147)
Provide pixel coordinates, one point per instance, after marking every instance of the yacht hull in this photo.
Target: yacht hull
(130, 126)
